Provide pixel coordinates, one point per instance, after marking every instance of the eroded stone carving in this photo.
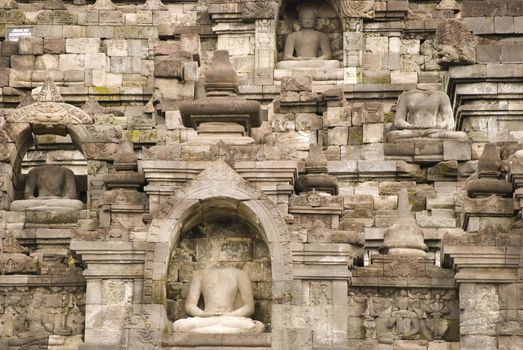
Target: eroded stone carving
(47, 188)
(402, 321)
(259, 9)
(307, 48)
(424, 114)
(32, 316)
(49, 108)
(156, 5)
(437, 308)
(219, 287)
(8, 4)
(455, 44)
(104, 5)
(357, 8)
(15, 259)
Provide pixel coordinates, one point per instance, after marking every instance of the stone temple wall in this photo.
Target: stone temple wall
(363, 218)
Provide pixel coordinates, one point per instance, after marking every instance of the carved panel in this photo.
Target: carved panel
(30, 315)
(388, 314)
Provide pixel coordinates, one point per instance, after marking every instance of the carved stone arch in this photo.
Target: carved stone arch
(48, 115)
(218, 181)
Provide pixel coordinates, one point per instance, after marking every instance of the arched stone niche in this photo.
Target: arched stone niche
(219, 187)
(329, 22)
(49, 115)
(220, 231)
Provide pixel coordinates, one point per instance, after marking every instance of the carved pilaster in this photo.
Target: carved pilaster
(265, 51)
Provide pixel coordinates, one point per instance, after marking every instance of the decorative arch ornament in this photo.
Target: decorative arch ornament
(49, 108)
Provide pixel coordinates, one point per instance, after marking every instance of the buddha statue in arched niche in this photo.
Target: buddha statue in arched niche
(49, 187)
(309, 46)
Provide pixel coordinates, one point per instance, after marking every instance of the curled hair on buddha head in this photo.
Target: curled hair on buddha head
(307, 5)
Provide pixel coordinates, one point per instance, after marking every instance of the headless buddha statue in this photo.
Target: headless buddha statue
(49, 188)
(424, 114)
(219, 287)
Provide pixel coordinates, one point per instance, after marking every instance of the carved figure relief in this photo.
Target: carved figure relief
(390, 314)
(32, 315)
(319, 293)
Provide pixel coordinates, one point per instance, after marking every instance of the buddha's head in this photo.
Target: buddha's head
(307, 14)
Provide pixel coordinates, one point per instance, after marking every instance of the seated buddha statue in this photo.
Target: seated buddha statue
(49, 188)
(307, 48)
(424, 114)
(219, 287)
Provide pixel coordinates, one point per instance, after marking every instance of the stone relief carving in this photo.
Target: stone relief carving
(33, 314)
(319, 293)
(357, 8)
(15, 259)
(389, 314)
(8, 4)
(49, 108)
(259, 9)
(155, 5)
(455, 44)
(141, 332)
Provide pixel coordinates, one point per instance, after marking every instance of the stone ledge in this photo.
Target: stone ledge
(189, 340)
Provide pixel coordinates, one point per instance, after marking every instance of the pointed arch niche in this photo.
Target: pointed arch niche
(218, 210)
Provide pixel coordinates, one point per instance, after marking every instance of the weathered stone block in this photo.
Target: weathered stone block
(74, 31)
(121, 64)
(82, 45)
(372, 133)
(20, 78)
(511, 53)
(483, 8)
(95, 61)
(31, 46)
(72, 62)
(518, 24)
(398, 77)
(9, 48)
(455, 150)
(338, 135)
(480, 25)
(308, 121)
(23, 62)
(117, 47)
(47, 62)
(110, 17)
(168, 67)
(191, 44)
(488, 53)
(190, 71)
(503, 25)
(355, 135)
(74, 75)
(98, 31)
(54, 45)
(4, 77)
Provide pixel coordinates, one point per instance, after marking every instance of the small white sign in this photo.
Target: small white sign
(15, 33)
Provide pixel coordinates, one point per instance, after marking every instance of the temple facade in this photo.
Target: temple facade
(261, 174)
